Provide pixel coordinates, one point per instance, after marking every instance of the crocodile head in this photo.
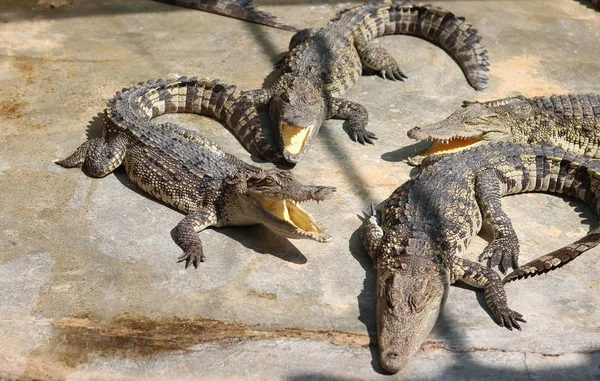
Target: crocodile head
(297, 111)
(410, 296)
(475, 122)
(273, 198)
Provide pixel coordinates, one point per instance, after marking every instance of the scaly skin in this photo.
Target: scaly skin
(189, 172)
(571, 121)
(427, 224)
(239, 9)
(323, 64)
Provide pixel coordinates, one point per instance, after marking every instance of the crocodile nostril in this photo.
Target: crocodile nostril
(393, 355)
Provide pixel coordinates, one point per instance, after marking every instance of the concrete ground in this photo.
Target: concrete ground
(90, 289)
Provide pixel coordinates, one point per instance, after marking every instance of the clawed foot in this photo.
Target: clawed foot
(193, 256)
(361, 135)
(502, 252)
(378, 59)
(393, 72)
(505, 317)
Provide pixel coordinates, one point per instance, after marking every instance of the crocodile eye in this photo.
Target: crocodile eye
(391, 294)
(268, 181)
(417, 299)
(285, 97)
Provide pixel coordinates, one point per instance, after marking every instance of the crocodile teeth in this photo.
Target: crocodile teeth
(294, 138)
(292, 213)
(451, 145)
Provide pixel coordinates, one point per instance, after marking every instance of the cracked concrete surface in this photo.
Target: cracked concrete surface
(90, 285)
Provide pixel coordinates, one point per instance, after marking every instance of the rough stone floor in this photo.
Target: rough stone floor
(89, 284)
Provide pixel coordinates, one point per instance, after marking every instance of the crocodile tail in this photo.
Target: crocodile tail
(136, 106)
(555, 259)
(572, 106)
(239, 113)
(238, 9)
(442, 28)
(554, 170)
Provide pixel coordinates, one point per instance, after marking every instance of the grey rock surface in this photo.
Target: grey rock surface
(90, 288)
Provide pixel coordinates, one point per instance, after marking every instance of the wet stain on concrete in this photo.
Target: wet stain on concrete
(264, 295)
(76, 340)
(11, 109)
(26, 69)
(134, 335)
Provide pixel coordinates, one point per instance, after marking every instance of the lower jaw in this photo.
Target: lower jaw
(454, 145)
(292, 157)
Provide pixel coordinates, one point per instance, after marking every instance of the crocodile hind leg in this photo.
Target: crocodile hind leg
(379, 60)
(477, 275)
(503, 251)
(99, 156)
(357, 117)
(186, 235)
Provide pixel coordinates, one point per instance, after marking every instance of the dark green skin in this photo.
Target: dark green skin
(427, 224)
(571, 121)
(323, 64)
(187, 171)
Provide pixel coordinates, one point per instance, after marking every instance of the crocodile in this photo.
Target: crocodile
(428, 222)
(571, 121)
(190, 173)
(239, 9)
(323, 64)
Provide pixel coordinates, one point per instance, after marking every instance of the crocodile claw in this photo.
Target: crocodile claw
(392, 72)
(509, 319)
(362, 136)
(502, 252)
(193, 256)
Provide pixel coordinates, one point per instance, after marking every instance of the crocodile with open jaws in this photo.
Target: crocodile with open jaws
(428, 222)
(192, 174)
(571, 121)
(323, 64)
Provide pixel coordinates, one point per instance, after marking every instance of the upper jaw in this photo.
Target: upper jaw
(444, 143)
(441, 132)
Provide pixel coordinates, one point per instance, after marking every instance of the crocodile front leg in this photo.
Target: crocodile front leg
(371, 233)
(477, 275)
(503, 251)
(357, 117)
(379, 60)
(187, 236)
(99, 156)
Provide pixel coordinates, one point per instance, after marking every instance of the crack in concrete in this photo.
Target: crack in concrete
(435, 345)
(47, 58)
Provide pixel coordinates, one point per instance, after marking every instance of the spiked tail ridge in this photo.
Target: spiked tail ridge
(444, 29)
(137, 105)
(558, 171)
(555, 259)
(572, 106)
(238, 9)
